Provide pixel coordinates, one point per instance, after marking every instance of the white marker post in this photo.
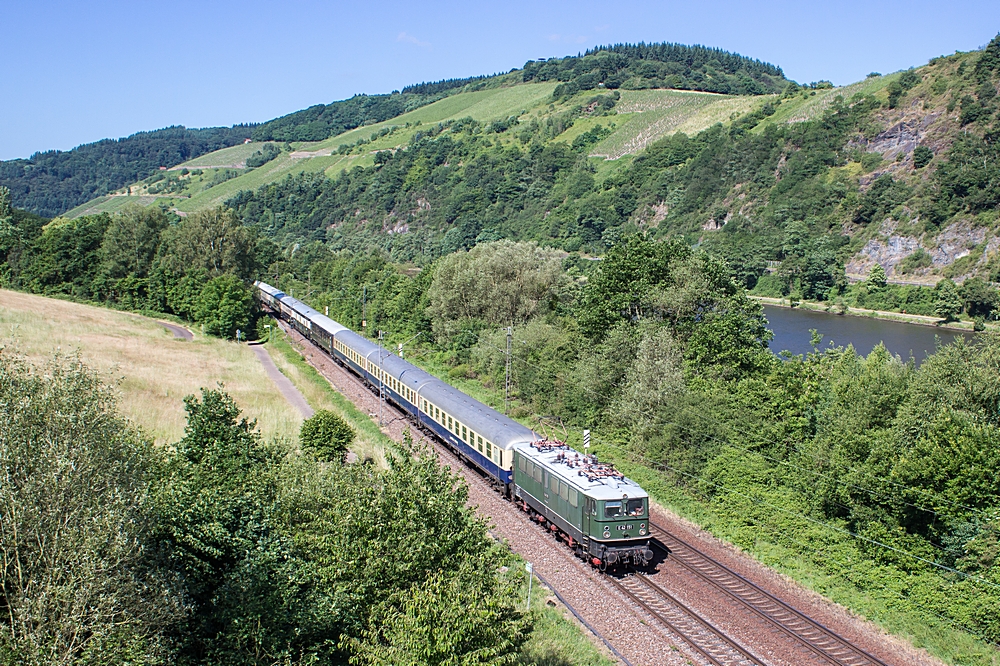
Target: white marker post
(529, 568)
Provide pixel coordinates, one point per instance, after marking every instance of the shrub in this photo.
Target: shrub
(922, 156)
(326, 435)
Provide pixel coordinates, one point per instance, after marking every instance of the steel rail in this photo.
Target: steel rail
(813, 635)
(731, 654)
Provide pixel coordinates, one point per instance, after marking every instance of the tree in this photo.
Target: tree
(876, 278)
(948, 302)
(131, 241)
(78, 582)
(225, 305)
(499, 283)
(922, 156)
(980, 298)
(326, 435)
(211, 240)
(215, 501)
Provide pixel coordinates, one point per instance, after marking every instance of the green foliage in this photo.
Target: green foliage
(497, 284)
(922, 156)
(876, 278)
(948, 302)
(326, 435)
(898, 88)
(78, 580)
(691, 294)
(263, 156)
(50, 183)
(980, 298)
(915, 261)
(457, 618)
(225, 305)
(637, 66)
(65, 257)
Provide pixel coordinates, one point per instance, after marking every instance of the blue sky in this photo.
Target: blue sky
(75, 72)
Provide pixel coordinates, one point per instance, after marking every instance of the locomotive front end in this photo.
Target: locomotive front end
(620, 529)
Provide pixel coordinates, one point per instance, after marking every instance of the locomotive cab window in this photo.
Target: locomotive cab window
(613, 510)
(636, 507)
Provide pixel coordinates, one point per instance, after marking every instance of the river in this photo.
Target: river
(791, 332)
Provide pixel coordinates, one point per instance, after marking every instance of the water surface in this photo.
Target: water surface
(791, 332)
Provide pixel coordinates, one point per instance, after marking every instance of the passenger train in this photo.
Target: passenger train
(602, 515)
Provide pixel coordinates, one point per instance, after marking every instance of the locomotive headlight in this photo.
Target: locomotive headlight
(642, 532)
(607, 534)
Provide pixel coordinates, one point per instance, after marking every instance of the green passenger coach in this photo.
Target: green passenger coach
(602, 515)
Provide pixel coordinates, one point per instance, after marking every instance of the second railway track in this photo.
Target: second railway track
(706, 639)
(821, 641)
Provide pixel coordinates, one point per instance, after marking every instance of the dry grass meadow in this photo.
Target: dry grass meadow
(153, 369)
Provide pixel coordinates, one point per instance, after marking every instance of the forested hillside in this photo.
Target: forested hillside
(904, 163)
(52, 182)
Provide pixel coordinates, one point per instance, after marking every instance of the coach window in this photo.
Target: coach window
(465, 434)
(479, 443)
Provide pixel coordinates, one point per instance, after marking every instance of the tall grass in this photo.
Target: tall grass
(154, 370)
(369, 442)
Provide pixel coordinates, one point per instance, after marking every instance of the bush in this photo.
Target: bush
(922, 156)
(326, 435)
(263, 156)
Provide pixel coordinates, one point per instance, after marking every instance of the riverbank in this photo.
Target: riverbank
(920, 320)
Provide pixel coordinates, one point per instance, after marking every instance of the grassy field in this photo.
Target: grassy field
(108, 205)
(644, 116)
(232, 157)
(813, 103)
(154, 370)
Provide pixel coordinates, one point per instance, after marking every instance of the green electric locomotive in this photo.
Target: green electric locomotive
(600, 513)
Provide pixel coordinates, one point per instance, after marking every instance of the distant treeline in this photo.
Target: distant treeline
(444, 85)
(638, 66)
(55, 181)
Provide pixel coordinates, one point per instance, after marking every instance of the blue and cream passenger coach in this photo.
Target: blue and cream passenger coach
(578, 503)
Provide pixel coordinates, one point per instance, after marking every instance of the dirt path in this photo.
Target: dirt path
(292, 394)
(178, 331)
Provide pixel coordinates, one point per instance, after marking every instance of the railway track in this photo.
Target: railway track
(704, 638)
(811, 635)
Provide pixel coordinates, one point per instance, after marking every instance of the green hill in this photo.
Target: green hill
(77, 181)
(55, 181)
